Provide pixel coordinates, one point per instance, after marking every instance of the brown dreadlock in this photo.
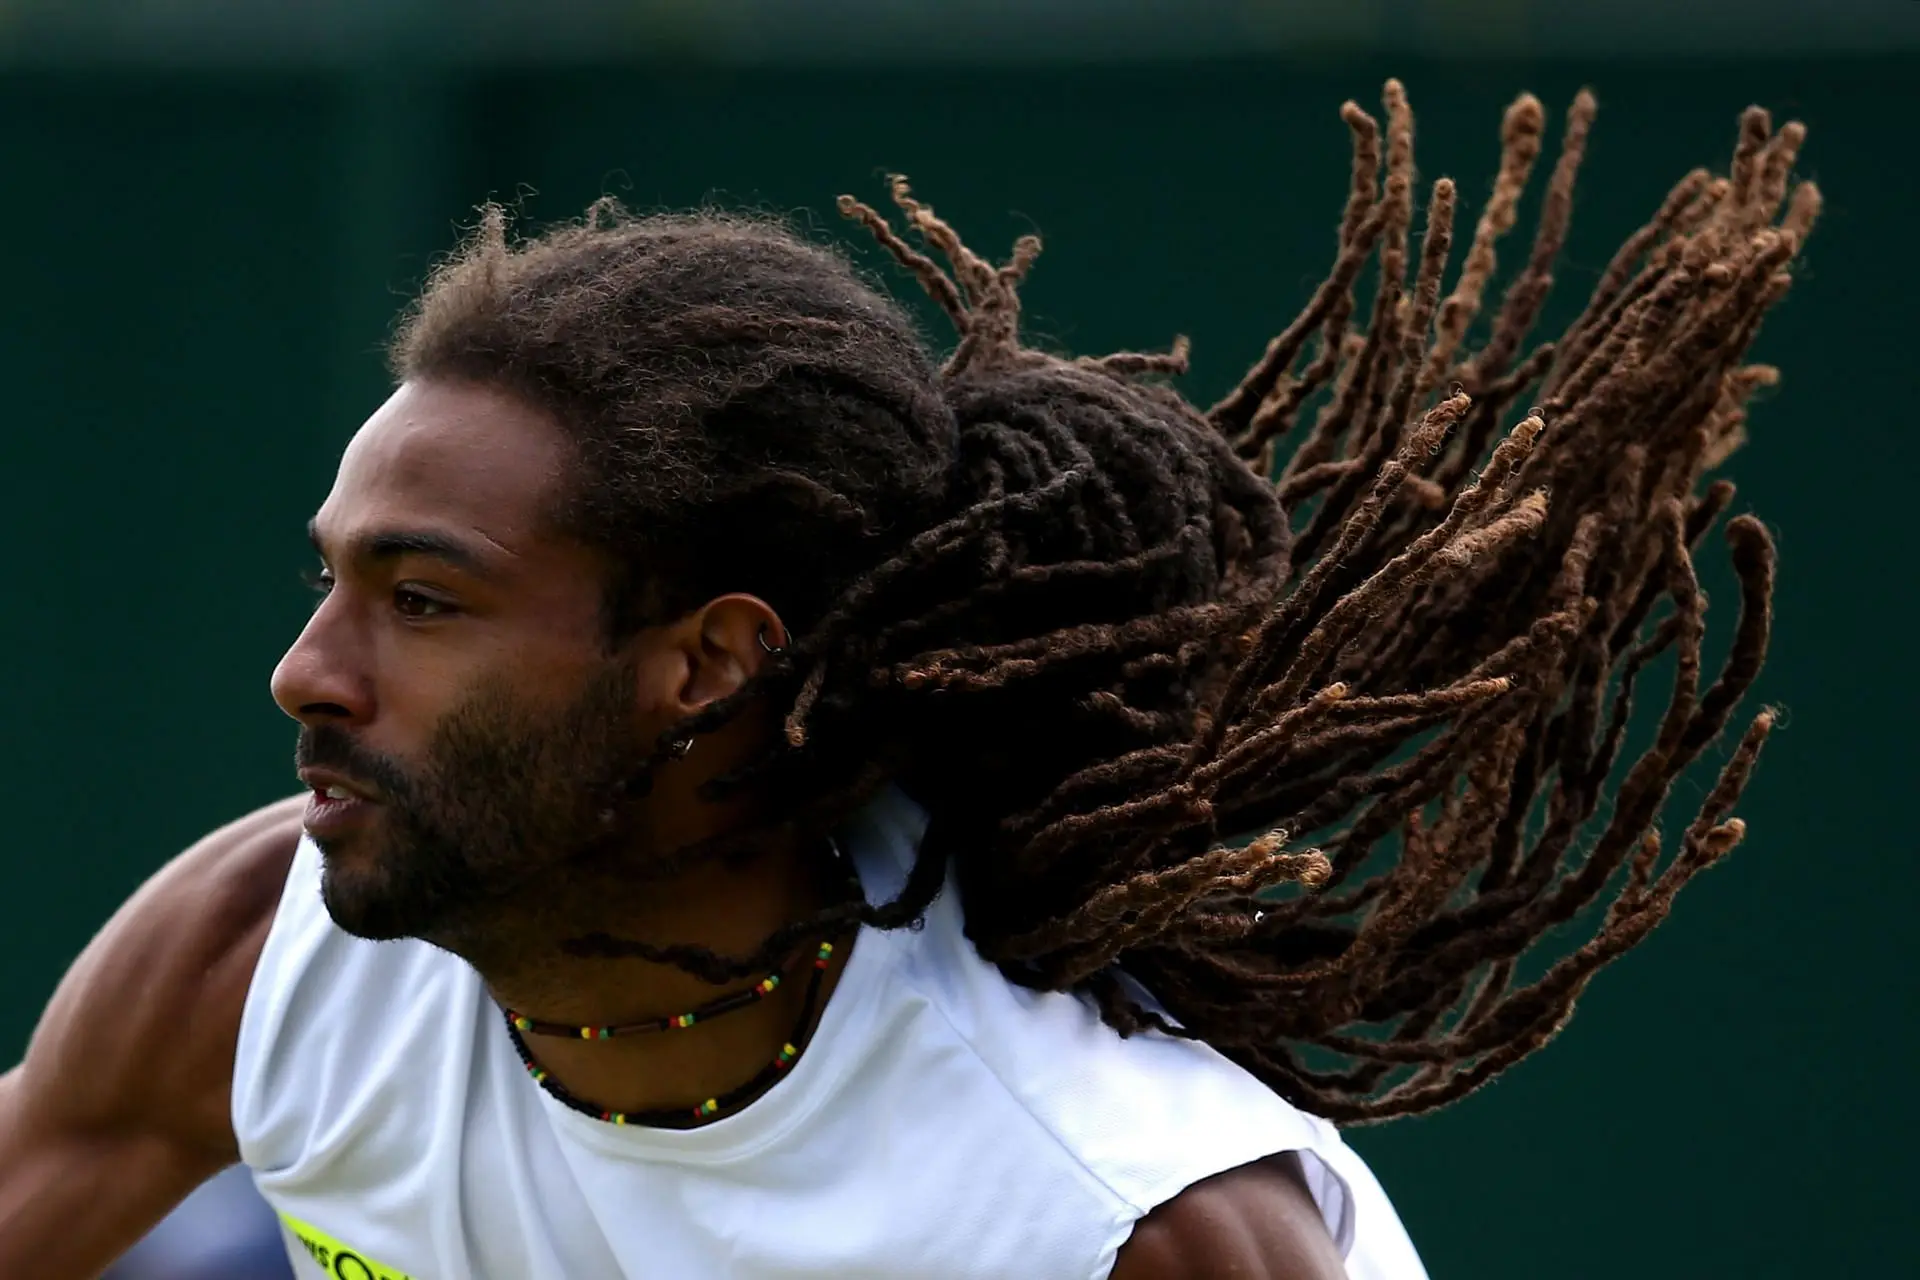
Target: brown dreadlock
(1070, 614)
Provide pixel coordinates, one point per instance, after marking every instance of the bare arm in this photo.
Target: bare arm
(1258, 1222)
(121, 1105)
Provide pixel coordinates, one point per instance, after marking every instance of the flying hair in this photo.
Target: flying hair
(1294, 724)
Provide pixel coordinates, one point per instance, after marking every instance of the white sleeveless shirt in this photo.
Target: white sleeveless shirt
(943, 1124)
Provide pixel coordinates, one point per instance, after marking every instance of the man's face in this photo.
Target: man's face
(462, 723)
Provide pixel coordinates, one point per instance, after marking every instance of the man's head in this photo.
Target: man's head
(615, 468)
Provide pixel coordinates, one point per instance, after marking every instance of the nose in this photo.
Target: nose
(319, 681)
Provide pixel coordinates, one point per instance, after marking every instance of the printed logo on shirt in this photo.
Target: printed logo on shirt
(337, 1259)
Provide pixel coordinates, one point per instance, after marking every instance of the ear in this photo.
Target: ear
(723, 644)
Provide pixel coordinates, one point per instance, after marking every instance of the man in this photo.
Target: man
(777, 806)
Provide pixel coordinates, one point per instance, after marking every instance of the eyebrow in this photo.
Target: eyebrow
(391, 544)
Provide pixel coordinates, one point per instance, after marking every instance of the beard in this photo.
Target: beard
(504, 793)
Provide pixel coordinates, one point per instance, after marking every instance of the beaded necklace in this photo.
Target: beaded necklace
(675, 1022)
(678, 1117)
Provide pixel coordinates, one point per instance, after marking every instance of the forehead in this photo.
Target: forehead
(464, 456)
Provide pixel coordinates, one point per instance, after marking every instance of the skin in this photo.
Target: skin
(120, 1107)
(1258, 1222)
(444, 579)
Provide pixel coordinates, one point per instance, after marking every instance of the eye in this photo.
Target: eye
(417, 604)
(320, 581)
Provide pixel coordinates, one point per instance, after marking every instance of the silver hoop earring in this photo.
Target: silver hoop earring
(679, 747)
(766, 647)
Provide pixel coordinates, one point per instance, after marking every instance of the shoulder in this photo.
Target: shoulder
(1257, 1222)
(145, 1022)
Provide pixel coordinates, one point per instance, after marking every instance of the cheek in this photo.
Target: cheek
(414, 696)
(419, 688)
(501, 669)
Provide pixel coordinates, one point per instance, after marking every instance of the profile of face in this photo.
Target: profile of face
(464, 722)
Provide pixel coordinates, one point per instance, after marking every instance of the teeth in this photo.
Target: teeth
(339, 793)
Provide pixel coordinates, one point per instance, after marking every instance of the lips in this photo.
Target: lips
(329, 785)
(337, 805)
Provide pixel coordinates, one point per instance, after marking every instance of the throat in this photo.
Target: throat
(682, 1070)
(621, 1030)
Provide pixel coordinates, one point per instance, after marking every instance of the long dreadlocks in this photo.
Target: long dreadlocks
(1136, 658)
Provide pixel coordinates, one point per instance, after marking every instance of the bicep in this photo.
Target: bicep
(121, 1106)
(144, 1022)
(1257, 1222)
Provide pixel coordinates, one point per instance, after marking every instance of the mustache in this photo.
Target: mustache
(329, 747)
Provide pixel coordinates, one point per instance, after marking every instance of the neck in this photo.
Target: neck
(727, 908)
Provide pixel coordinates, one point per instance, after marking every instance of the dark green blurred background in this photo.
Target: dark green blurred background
(201, 262)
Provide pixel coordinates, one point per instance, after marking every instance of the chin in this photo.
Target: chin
(358, 911)
(360, 895)
(377, 892)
